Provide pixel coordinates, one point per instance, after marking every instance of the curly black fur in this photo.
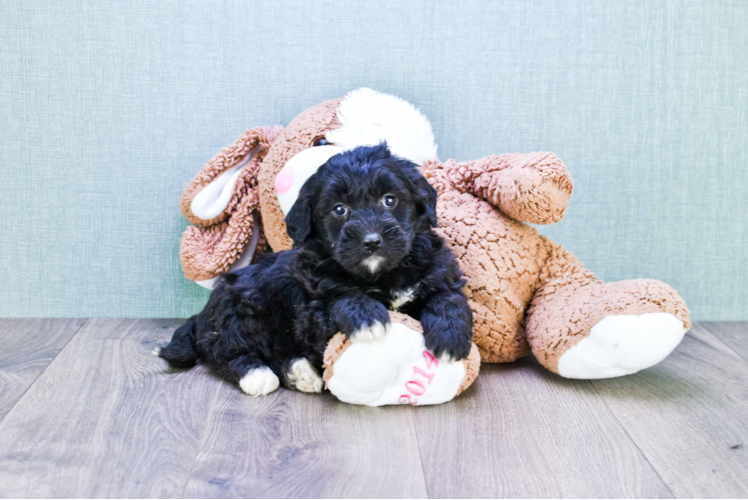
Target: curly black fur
(362, 232)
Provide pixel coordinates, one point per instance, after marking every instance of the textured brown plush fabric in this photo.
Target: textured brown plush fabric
(339, 343)
(472, 367)
(335, 348)
(532, 187)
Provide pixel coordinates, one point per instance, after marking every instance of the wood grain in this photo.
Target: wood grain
(522, 431)
(732, 333)
(101, 417)
(27, 346)
(294, 445)
(689, 415)
(105, 419)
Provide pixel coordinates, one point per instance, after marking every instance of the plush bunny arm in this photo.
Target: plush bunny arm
(532, 187)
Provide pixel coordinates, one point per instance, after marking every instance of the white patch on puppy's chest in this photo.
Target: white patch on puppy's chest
(402, 297)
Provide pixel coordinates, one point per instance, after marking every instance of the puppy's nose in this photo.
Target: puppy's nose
(372, 241)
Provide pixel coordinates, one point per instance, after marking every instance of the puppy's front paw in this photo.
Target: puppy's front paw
(259, 381)
(370, 333)
(449, 345)
(362, 319)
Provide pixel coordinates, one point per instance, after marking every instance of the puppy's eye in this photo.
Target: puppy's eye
(389, 201)
(340, 210)
(320, 141)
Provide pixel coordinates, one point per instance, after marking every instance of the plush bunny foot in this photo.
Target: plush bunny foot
(395, 369)
(622, 345)
(601, 330)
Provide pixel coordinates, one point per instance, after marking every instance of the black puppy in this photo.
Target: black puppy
(363, 243)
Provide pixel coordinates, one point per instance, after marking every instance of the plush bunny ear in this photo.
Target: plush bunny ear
(214, 198)
(223, 201)
(209, 198)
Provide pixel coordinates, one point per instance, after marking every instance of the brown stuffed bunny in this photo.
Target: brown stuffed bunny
(527, 293)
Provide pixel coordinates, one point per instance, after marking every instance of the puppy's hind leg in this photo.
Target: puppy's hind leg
(301, 375)
(180, 352)
(253, 376)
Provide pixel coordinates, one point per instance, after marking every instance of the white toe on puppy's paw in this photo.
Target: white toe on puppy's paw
(259, 381)
(446, 358)
(156, 351)
(370, 333)
(304, 377)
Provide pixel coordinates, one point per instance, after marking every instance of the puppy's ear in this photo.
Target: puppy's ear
(424, 195)
(299, 218)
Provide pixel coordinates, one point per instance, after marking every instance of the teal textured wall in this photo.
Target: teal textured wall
(109, 108)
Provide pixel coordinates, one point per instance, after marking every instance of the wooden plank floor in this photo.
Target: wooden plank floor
(87, 411)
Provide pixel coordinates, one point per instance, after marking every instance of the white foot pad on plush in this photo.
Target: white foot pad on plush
(304, 377)
(395, 369)
(622, 345)
(259, 382)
